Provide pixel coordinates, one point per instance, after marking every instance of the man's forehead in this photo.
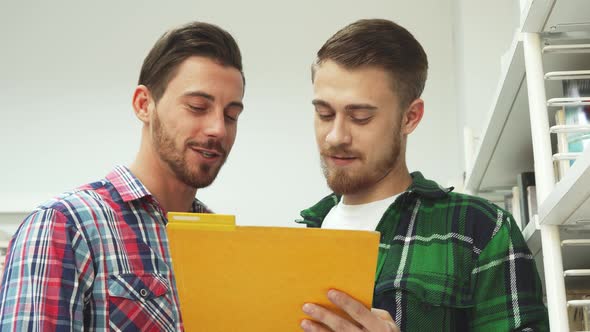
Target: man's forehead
(206, 76)
(333, 80)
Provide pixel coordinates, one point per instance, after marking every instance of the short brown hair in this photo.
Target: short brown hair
(381, 43)
(193, 39)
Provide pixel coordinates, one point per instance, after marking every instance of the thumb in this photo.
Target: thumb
(385, 316)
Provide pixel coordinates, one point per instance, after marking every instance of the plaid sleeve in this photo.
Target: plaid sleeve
(507, 289)
(40, 286)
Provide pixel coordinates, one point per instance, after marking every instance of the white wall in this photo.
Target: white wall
(67, 71)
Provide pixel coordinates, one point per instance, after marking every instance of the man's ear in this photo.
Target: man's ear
(412, 116)
(142, 103)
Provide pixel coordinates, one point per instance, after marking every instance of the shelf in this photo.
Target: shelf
(569, 129)
(581, 242)
(532, 235)
(574, 251)
(557, 16)
(577, 273)
(568, 75)
(507, 123)
(565, 49)
(566, 156)
(570, 101)
(573, 238)
(508, 131)
(575, 257)
(505, 148)
(578, 303)
(569, 202)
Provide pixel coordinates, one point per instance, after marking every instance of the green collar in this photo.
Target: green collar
(422, 187)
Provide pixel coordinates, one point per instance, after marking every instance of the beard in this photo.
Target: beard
(193, 175)
(350, 181)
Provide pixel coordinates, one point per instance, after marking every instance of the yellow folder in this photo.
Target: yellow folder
(240, 278)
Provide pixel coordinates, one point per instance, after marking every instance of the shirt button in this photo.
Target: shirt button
(143, 292)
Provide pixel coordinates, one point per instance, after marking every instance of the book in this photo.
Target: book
(523, 181)
(516, 206)
(508, 202)
(532, 201)
(258, 278)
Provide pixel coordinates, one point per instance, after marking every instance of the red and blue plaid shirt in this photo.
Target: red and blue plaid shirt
(93, 259)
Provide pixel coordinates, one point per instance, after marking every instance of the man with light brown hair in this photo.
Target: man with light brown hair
(447, 261)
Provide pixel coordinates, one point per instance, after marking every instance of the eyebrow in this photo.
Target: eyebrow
(349, 107)
(352, 107)
(212, 98)
(319, 102)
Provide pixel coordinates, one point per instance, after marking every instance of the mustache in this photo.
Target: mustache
(339, 151)
(210, 144)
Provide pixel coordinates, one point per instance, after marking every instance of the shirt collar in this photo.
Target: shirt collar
(130, 188)
(427, 188)
(420, 186)
(127, 185)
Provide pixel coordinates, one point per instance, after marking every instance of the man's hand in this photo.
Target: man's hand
(374, 320)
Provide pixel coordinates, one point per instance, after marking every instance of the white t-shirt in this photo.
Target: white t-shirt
(361, 217)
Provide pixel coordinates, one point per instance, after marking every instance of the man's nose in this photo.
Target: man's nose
(215, 126)
(339, 133)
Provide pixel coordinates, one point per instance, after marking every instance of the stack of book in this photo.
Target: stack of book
(522, 202)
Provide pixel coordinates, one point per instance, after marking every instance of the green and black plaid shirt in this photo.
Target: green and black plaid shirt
(451, 262)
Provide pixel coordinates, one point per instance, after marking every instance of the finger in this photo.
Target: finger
(382, 314)
(329, 318)
(386, 316)
(393, 327)
(310, 326)
(356, 310)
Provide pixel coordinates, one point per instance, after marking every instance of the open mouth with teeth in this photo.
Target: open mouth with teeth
(208, 154)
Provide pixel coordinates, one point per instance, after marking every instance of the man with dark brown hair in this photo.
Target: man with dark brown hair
(97, 258)
(447, 261)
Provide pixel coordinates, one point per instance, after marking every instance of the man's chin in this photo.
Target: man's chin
(199, 179)
(200, 183)
(342, 186)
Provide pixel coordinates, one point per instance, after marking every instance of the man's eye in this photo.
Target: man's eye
(325, 116)
(196, 108)
(232, 114)
(361, 120)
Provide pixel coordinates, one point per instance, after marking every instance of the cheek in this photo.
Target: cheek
(371, 142)
(230, 137)
(320, 130)
(171, 124)
(184, 132)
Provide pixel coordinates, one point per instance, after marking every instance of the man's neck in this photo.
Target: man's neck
(395, 182)
(156, 176)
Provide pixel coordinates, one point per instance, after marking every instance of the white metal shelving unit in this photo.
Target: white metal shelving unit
(517, 139)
